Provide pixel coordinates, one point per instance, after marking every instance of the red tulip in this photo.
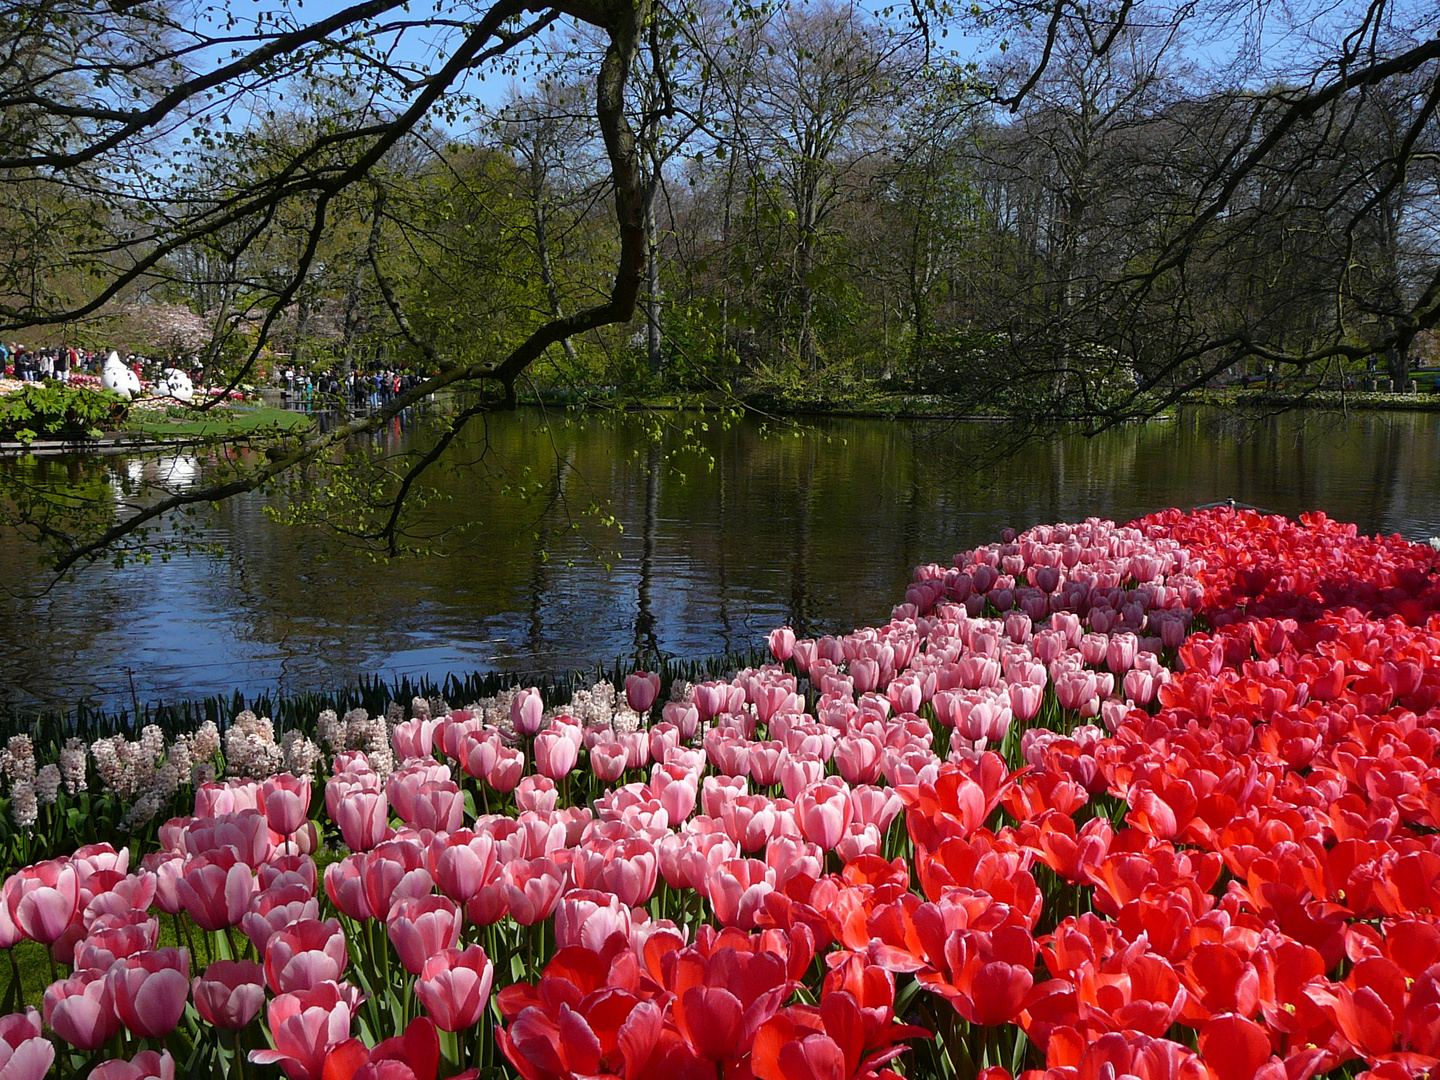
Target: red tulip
(454, 987)
(305, 954)
(150, 990)
(305, 1026)
(415, 1055)
(230, 993)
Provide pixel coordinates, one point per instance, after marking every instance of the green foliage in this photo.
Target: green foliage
(55, 408)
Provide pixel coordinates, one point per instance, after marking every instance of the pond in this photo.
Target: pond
(624, 547)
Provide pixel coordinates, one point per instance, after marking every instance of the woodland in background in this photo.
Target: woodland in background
(1113, 205)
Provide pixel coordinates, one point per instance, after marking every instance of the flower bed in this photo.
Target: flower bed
(1154, 801)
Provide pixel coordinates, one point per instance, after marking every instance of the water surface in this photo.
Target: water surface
(818, 528)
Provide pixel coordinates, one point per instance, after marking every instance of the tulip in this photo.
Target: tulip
(527, 711)
(824, 813)
(361, 816)
(392, 872)
(285, 800)
(607, 761)
(305, 1026)
(44, 900)
(737, 890)
(345, 886)
(146, 1065)
(230, 993)
(782, 643)
(420, 927)
(641, 690)
(215, 890)
(150, 990)
(532, 889)
(414, 1055)
(274, 909)
(537, 793)
(106, 945)
(555, 754)
(507, 770)
(454, 987)
(81, 1009)
(439, 806)
(461, 863)
(305, 954)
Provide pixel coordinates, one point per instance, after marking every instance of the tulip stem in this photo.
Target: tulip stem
(50, 956)
(239, 1057)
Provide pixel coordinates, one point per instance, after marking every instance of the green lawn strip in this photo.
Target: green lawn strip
(232, 420)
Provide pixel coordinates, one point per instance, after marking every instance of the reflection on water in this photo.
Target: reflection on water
(819, 530)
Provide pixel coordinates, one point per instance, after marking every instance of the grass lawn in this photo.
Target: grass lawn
(224, 420)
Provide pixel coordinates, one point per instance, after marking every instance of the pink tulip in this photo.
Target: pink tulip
(305, 1026)
(274, 909)
(765, 761)
(439, 806)
(246, 834)
(607, 761)
(824, 813)
(345, 886)
(507, 770)
(1120, 656)
(342, 784)
(146, 1065)
(858, 758)
(715, 791)
(294, 869)
(532, 889)
(685, 716)
(641, 690)
(230, 993)
(799, 773)
(489, 905)
(150, 990)
(527, 711)
(859, 839)
(477, 756)
(227, 797)
(627, 869)
(737, 890)
(25, 1054)
(454, 987)
(285, 800)
(305, 954)
(362, 816)
(393, 872)
(168, 867)
(782, 643)
(414, 738)
(81, 1009)
(555, 754)
(104, 946)
(420, 927)
(461, 863)
(44, 900)
(133, 892)
(537, 794)
(1140, 686)
(875, 806)
(1025, 701)
(215, 890)
(587, 917)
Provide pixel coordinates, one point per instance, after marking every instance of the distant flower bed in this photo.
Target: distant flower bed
(1152, 801)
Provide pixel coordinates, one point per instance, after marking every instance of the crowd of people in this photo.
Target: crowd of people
(360, 388)
(61, 362)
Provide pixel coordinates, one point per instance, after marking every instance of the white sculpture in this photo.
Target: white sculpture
(114, 375)
(176, 384)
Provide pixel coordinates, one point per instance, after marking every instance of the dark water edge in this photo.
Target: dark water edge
(818, 527)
